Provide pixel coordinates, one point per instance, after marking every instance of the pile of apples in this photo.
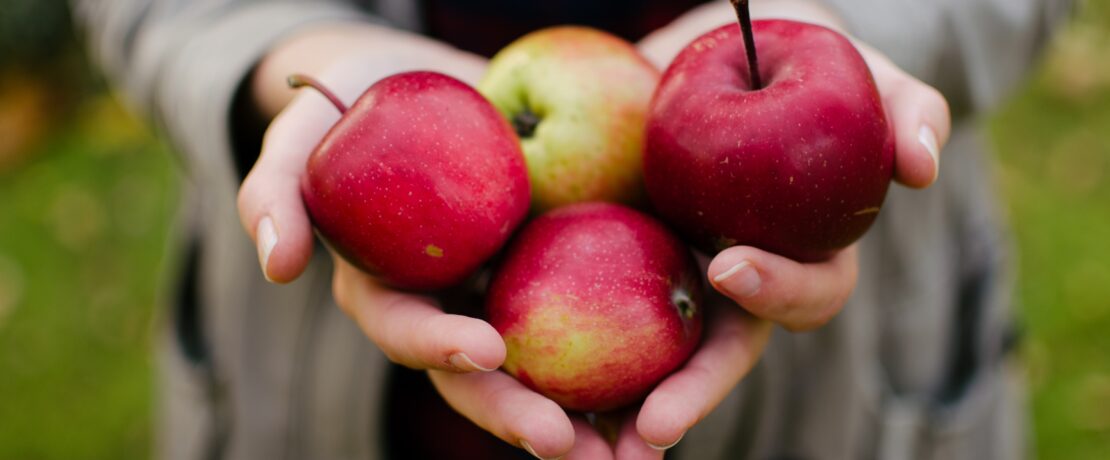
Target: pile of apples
(424, 181)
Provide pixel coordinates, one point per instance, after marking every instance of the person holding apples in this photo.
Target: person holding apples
(894, 347)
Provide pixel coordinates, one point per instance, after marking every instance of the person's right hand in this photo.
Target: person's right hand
(410, 329)
(347, 59)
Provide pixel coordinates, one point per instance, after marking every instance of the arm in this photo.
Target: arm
(181, 62)
(972, 51)
(770, 288)
(993, 42)
(184, 62)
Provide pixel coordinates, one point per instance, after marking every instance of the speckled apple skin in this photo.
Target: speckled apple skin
(419, 183)
(591, 91)
(799, 168)
(587, 302)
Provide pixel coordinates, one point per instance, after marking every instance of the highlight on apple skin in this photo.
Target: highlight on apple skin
(419, 183)
(597, 303)
(799, 167)
(578, 98)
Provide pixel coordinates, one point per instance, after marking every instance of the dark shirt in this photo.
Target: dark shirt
(485, 26)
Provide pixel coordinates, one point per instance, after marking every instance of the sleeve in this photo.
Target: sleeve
(974, 51)
(181, 61)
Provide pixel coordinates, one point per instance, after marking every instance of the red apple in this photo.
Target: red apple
(799, 166)
(596, 303)
(419, 183)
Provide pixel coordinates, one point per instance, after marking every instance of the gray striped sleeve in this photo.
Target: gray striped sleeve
(181, 61)
(974, 51)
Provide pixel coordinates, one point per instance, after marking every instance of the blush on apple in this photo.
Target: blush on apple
(596, 303)
(577, 98)
(795, 159)
(419, 183)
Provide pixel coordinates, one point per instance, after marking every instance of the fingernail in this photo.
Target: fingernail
(742, 280)
(267, 238)
(928, 139)
(463, 362)
(528, 447)
(668, 446)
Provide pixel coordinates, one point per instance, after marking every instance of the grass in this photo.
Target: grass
(1053, 144)
(82, 234)
(83, 239)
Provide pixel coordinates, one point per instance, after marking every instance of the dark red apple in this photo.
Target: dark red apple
(798, 166)
(596, 303)
(419, 183)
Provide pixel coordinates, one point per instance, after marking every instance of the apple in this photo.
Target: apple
(597, 303)
(578, 99)
(798, 166)
(419, 183)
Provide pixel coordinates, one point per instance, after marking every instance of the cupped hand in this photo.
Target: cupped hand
(347, 59)
(798, 296)
(805, 296)
(411, 330)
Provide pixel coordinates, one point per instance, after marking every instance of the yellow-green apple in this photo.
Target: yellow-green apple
(419, 183)
(577, 97)
(797, 163)
(596, 303)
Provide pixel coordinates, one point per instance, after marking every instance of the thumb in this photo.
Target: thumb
(270, 205)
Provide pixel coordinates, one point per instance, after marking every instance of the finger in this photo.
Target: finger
(919, 116)
(630, 446)
(733, 345)
(270, 206)
(411, 330)
(798, 296)
(588, 443)
(502, 406)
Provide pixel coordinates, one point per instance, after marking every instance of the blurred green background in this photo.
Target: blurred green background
(87, 198)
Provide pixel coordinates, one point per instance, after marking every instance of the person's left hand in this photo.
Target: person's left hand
(797, 296)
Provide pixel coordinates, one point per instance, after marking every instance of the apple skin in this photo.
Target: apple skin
(597, 303)
(589, 92)
(799, 168)
(419, 183)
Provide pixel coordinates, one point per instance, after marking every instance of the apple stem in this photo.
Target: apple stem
(745, 17)
(298, 80)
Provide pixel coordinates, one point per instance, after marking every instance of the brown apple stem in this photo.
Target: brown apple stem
(745, 17)
(298, 80)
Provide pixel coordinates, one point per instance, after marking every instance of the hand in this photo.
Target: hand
(410, 329)
(347, 58)
(798, 296)
(805, 296)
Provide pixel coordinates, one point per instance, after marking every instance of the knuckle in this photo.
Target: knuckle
(393, 356)
(246, 195)
(341, 293)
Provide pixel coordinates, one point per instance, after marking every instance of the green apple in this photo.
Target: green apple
(578, 99)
